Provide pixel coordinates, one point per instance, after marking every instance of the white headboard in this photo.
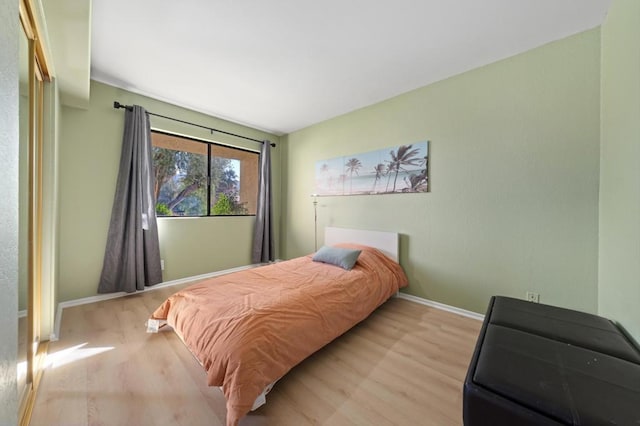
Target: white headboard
(386, 242)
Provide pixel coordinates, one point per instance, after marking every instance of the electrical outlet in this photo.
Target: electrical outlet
(533, 297)
(162, 264)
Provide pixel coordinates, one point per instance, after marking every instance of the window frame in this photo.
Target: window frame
(209, 145)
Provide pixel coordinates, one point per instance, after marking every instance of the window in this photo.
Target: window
(196, 178)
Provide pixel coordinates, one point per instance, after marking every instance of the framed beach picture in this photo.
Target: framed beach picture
(399, 169)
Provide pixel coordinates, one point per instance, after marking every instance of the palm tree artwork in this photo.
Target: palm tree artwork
(379, 171)
(418, 182)
(352, 166)
(389, 172)
(404, 156)
(403, 166)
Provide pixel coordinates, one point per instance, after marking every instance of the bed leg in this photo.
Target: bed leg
(153, 325)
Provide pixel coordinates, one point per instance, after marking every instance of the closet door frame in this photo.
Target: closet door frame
(39, 74)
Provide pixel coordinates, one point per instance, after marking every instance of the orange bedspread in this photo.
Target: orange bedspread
(251, 327)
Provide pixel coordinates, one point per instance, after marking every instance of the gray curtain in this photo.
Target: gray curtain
(132, 255)
(263, 235)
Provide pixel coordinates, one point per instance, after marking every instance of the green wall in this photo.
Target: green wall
(619, 266)
(23, 222)
(514, 168)
(89, 156)
(50, 218)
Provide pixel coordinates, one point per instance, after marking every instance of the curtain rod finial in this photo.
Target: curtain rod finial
(118, 105)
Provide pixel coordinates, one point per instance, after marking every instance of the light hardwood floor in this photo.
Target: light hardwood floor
(404, 365)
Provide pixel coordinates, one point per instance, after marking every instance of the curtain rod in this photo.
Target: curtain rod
(118, 105)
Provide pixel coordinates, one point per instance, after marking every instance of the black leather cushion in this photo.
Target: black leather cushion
(568, 384)
(573, 327)
(483, 408)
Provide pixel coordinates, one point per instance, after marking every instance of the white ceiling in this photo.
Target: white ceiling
(282, 65)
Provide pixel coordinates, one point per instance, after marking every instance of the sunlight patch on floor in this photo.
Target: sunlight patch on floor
(74, 353)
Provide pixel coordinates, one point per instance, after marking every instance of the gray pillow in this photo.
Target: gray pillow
(342, 257)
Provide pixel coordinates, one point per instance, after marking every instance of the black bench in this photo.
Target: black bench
(537, 364)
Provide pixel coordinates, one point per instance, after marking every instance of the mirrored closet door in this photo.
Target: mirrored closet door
(33, 75)
(23, 291)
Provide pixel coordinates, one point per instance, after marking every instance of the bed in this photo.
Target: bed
(249, 328)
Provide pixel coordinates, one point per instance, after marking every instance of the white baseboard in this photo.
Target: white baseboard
(101, 297)
(441, 306)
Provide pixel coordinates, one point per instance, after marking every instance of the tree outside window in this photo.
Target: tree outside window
(196, 178)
